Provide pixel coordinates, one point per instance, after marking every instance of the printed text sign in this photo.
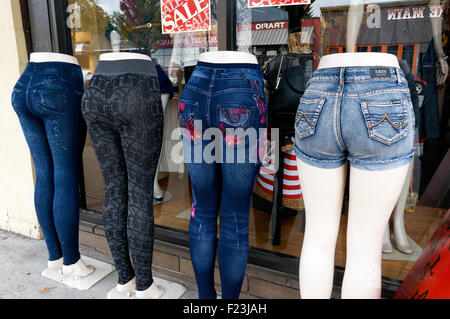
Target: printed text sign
(273, 3)
(185, 16)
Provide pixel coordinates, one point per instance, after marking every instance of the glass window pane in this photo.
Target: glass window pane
(401, 28)
(375, 48)
(408, 54)
(392, 49)
(333, 50)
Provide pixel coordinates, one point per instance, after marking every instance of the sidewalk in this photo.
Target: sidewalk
(22, 259)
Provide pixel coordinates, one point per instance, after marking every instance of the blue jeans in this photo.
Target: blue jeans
(222, 97)
(47, 100)
(360, 114)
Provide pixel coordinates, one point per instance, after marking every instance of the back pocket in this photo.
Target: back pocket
(187, 111)
(233, 121)
(308, 113)
(50, 102)
(386, 121)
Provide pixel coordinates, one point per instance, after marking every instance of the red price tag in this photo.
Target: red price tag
(185, 16)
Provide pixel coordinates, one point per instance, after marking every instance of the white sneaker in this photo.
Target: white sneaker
(129, 287)
(79, 269)
(55, 264)
(152, 292)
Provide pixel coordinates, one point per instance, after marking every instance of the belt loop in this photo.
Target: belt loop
(341, 76)
(397, 71)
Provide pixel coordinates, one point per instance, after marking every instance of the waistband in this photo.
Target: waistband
(359, 73)
(135, 66)
(229, 66)
(64, 69)
(227, 70)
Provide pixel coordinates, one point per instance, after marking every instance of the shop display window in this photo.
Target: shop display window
(307, 32)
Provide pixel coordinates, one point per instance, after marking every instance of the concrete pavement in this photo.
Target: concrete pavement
(22, 259)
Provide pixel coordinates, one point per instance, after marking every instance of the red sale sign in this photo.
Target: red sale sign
(275, 3)
(185, 16)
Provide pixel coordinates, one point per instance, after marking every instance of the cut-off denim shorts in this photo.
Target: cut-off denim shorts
(360, 114)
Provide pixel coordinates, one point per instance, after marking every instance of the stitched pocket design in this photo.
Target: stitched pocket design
(308, 113)
(386, 121)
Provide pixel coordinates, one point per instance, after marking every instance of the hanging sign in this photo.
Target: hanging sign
(185, 16)
(275, 3)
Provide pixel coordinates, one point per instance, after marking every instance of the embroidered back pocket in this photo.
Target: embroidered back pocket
(187, 110)
(308, 113)
(386, 121)
(233, 121)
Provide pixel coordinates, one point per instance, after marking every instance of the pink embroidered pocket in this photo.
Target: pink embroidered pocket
(186, 114)
(236, 119)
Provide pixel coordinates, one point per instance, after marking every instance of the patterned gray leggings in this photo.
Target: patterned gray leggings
(123, 113)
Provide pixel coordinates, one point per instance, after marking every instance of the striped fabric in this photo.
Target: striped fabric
(291, 183)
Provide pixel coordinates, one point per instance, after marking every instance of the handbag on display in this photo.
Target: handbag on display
(292, 191)
(287, 75)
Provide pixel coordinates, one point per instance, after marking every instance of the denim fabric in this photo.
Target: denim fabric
(429, 127)
(221, 96)
(165, 86)
(124, 116)
(412, 90)
(47, 101)
(363, 114)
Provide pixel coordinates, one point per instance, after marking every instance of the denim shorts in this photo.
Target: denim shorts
(363, 114)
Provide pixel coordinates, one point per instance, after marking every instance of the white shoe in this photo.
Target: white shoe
(129, 287)
(79, 269)
(55, 264)
(152, 292)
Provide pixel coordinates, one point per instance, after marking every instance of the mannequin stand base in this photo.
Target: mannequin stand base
(172, 291)
(102, 269)
(166, 197)
(399, 255)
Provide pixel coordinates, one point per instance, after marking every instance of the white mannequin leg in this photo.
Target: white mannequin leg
(157, 192)
(373, 195)
(400, 237)
(387, 245)
(323, 192)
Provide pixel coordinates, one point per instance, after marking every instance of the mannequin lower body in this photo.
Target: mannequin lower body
(124, 116)
(157, 191)
(371, 194)
(229, 101)
(351, 114)
(47, 101)
(399, 232)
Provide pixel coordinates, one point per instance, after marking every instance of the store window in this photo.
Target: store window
(303, 34)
